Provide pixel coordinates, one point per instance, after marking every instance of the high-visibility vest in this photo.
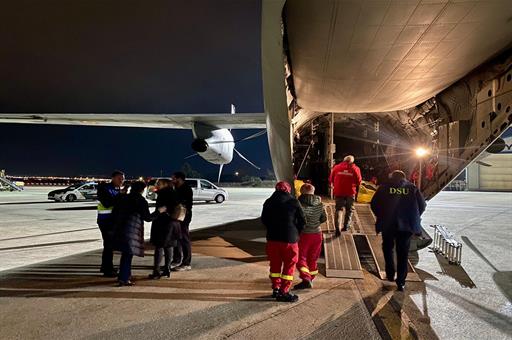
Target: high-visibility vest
(102, 210)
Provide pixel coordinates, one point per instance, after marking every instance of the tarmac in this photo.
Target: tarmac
(226, 294)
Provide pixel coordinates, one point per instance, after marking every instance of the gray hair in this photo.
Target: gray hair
(349, 159)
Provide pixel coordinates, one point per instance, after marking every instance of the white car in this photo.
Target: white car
(79, 191)
(202, 190)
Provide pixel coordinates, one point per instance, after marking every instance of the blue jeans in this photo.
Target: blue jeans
(125, 267)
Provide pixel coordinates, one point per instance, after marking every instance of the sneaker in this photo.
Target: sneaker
(125, 283)
(346, 228)
(400, 287)
(275, 293)
(181, 268)
(337, 233)
(287, 297)
(175, 264)
(305, 284)
(166, 274)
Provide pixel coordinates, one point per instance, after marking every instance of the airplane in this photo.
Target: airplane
(376, 79)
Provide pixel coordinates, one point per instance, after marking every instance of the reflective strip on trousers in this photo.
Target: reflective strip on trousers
(287, 277)
(104, 212)
(304, 270)
(314, 272)
(275, 274)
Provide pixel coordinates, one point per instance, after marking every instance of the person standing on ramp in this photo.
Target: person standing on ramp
(284, 219)
(345, 178)
(398, 206)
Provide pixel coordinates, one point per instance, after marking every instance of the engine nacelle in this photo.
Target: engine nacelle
(199, 145)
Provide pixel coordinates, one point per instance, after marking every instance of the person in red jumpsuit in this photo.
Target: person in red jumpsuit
(345, 178)
(283, 218)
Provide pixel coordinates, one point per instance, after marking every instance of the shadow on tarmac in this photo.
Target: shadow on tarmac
(47, 234)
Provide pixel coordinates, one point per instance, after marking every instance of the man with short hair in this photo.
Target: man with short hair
(345, 179)
(107, 195)
(184, 248)
(398, 206)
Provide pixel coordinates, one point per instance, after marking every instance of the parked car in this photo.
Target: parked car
(202, 190)
(79, 191)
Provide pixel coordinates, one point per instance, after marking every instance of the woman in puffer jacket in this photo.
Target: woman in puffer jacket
(310, 242)
(129, 213)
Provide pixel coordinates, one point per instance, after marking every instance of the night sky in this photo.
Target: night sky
(94, 56)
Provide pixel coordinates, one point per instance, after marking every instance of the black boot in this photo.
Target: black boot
(287, 297)
(337, 233)
(305, 284)
(275, 293)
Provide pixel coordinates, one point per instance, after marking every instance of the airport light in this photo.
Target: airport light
(420, 153)
(236, 173)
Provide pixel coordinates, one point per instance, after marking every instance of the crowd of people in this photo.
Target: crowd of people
(294, 238)
(122, 211)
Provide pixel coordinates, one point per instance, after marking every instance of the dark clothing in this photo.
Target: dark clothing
(283, 217)
(167, 252)
(183, 252)
(164, 231)
(398, 207)
(403, 241)
(107, 256)
(125, 267)
(314, 213)
(347, 203)
(184, 196)
(184, 249)
(129, 215)
(107, 194)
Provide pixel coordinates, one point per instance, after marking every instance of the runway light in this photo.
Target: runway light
(421, 152)
(236, 173)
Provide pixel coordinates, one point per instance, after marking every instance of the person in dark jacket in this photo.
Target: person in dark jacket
(129, 213)
(165, 231)
(283, 217)
(310, 242)
(398, 206)
(184, 249)
(107, 194)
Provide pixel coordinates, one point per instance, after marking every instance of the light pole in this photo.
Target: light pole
(420, 153)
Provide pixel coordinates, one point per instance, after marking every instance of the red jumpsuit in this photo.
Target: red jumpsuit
(310, 246)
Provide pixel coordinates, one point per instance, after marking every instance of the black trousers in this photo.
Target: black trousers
(183, 252)
(168, 255)
(402, 240)
(107, 234)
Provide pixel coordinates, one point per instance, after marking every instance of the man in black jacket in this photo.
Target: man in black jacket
(284, 219)
(398, 206)
(107, 195)
(184, 248)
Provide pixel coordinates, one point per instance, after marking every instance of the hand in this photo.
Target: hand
(161, 210)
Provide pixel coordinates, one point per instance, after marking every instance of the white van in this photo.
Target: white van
(202, 190)
(205, 190)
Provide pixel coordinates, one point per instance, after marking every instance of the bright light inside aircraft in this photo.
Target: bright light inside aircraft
(421, 152)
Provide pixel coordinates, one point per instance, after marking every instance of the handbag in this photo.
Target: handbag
(178, 213)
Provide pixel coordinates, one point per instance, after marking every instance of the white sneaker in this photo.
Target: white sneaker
(182, 268)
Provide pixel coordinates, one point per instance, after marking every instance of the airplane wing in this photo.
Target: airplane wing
(167, 121)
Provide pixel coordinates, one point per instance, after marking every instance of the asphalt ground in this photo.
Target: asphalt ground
(52, 289)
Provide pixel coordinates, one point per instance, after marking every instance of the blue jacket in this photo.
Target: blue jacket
(398, 206)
